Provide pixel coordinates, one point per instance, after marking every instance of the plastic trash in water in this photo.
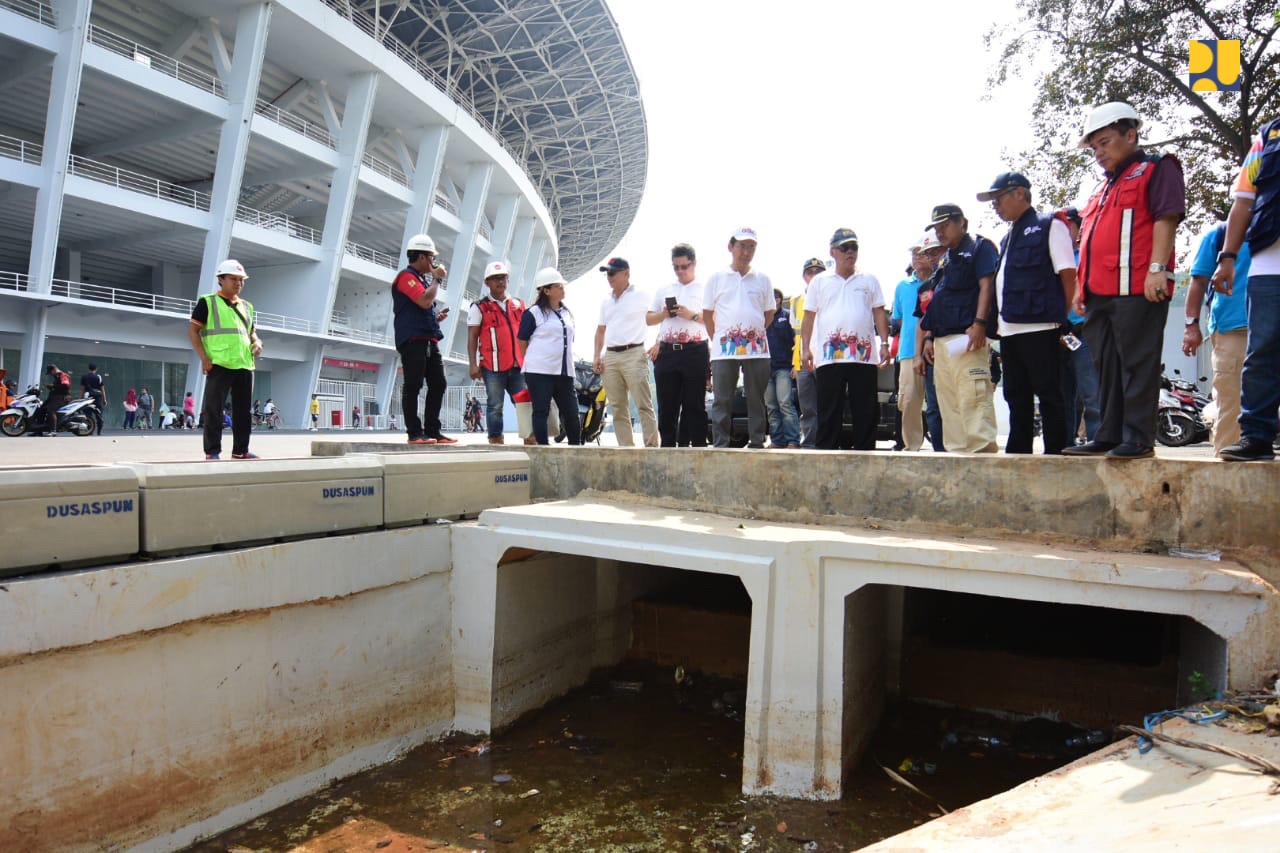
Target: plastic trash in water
(502, 777)
(1093, 738)
(532, 792)
(1196, 554)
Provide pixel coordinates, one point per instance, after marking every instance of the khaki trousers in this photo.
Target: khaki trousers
(627, 373)
(910, 403)
(965, 398)
(1228, 363)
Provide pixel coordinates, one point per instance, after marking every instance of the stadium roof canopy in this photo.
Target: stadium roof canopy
(553, 78)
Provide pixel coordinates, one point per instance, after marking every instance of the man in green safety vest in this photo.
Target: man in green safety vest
(223, 334)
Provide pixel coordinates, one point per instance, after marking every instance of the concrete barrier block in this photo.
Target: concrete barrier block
(421, 486)
(193, 506)
(67, 515)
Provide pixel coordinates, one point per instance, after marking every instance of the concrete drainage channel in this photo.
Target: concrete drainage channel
(161, 700)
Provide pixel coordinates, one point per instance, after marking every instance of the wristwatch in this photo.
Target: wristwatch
(1155, 267)
(1191, 321)
(1226, 256)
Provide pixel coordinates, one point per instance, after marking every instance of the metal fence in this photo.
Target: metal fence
(20, 149)
(39, 12)
(156, 61)
(296, 123)
(134, 182)
(277, 222)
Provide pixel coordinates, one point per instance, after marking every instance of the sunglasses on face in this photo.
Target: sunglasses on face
(847, 247)
(682, 267)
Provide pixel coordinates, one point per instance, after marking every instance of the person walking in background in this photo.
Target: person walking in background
(784, 423)
(146, 404)
(806, 382)
(315, 413)
(189, 411)
(92, 384)
(1126, 277)
(224, 335)
(620, 357)
(130, 406)
(682, 359)
(546, 348)
(738, 309)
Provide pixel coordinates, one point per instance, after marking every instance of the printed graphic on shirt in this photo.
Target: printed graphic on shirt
(744, 340)
(841, 346)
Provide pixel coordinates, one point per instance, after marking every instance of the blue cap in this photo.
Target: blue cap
(842, 236)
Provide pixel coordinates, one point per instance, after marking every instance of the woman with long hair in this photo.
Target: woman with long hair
(130, 408)
(546, 344)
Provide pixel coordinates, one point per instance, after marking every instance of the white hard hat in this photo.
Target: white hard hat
(230, 267)
(546, 276)
(496, 268)
(925, 243)
(1106, 115)
(420, 243)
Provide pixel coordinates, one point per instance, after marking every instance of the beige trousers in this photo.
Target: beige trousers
(963, 383)
(911, 403)
(1228, 363)
(627, 373)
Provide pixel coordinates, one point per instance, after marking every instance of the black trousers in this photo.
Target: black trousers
(1033, 368)
(1125, 335)
(100, 406)
(681, 377)
(421, 361)
(855, 383)
(544, 389)
(217, 384)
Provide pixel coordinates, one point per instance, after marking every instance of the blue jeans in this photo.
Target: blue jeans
(932, 414)
(784, 422)
(1260, 381)
(497, 385)
(1080, 390)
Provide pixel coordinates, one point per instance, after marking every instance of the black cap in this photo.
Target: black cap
(1005, 181)
(815, 262)
(843, 236)
(943, 212)
(615, 264)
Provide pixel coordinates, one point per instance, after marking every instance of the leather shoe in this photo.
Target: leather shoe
(1249, 450)
(1092, 448)
(1131, 451)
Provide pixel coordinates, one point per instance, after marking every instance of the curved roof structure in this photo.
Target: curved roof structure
(553, 79)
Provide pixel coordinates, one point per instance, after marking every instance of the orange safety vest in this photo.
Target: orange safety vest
(1117, 231)
(498, 328)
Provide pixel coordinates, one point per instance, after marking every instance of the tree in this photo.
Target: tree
(1137, 51)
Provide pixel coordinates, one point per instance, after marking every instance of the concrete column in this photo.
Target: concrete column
(521, 243)
(292, 383)
(60, 118)
(241, 84)
(166, 279)
(33, 347)
(385, 386)
(536, 254)
(474, 196)
(504, 225)
(342, 196)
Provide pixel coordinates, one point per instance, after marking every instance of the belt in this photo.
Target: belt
(623, 348)
(677, 347)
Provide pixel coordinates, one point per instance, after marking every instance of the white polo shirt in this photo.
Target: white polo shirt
(739, 302)
(1062, 255)
(623, 317)
(678, 330)
(550, 342)
(844, 327)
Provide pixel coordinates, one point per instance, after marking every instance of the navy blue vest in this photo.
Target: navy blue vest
(411, 320)
(1032, 290)
(1264, 226)
(955, 299)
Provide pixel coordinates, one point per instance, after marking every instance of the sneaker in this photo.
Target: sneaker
(1131, 451)
(444, 439)
(245, 455)
(1092, 448)
(1249, 450)
(212, 457)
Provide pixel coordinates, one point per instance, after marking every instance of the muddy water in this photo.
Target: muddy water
(633, 762)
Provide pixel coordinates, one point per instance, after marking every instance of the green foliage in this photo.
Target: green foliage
(1136, 51)
(1201, 690)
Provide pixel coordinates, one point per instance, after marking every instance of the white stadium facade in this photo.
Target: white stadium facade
(143, 141)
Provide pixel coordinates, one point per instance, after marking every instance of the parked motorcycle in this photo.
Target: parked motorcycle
(14, 420)
(77, 417)
(1179, 413)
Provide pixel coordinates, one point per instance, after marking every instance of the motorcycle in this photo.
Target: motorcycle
(1180, 413)
(14, 420)
(77, 417)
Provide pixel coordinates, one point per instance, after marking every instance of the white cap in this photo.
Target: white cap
(546, 276)
(420, 243)
(1106, 115)
(745, 233)
(230, 267)
(928, 241)
(496, 268)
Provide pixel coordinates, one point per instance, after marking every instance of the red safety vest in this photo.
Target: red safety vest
(1116, 233)
(498, 334)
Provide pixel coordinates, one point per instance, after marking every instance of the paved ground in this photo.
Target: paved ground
(185, 446)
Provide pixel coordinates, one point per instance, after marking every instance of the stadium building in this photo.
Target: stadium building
(143, 141)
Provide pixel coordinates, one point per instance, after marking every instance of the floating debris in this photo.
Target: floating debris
(502, 777)
(532, 792)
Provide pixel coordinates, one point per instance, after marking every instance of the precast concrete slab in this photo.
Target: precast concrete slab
(392, 444)
(418, 487)
(67, 515)
(819, 639)
(193, 506)
(154, 702)
(1171, 798)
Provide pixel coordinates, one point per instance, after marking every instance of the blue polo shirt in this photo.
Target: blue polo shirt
(904, 311)
(1226, 313)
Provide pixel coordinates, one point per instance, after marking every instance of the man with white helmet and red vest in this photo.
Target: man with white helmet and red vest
(492, 324)
(1126, 278)
(418, 335)
(223, 334)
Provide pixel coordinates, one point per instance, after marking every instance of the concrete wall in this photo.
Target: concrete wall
(866, 617)
(155, 702)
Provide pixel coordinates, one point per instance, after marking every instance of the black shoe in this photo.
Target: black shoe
(1092, 448)
(1249, 450)
(1131, 451)
(755, 445)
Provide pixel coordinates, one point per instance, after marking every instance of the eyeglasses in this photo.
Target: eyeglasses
(682, 267)
(995, 200)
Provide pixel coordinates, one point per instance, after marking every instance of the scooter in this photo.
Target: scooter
(1179, 413)
(77, 417)
(14, 420)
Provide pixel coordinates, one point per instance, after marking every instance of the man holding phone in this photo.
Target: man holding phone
(680, 369)
(620, 357)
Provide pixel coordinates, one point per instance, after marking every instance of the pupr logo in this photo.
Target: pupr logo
(1214, 65)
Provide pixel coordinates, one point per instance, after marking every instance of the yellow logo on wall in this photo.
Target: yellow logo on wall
(1214, 65)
